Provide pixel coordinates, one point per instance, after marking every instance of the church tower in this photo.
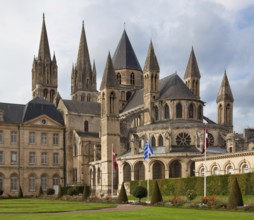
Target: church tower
(192, 75)
(151, 82)
(44, 70)
(128, 71)
(110, 125)
(225, 102)
(83, 79)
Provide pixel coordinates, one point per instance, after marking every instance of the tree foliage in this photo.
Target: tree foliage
(140, 192)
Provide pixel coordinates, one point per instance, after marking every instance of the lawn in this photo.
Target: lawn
(144, 214)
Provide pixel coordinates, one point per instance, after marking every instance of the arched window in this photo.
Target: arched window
(45, 93)
(83, 97)
(119, 78)
(126, 172)
(155, 82)
(52, 94)
(179, 110)
(98, 176)
(112, 102)
(31, 183)
(152, 87)
(228, 114)
(139, 171)
(191, 111)
(192, 169)
(166, 111)
(215, 170)
(86, 126)
(44, 182)
(229, 169)
(200, 112)
(153, 141)
(175, 170)
(158, 170)
(55, 180)
(244, 168)
(132, 79)
(202, 171)
(160, 141)
(220, 114)
(128, 95)
(14, 182)
(156, 113)
(88, 98)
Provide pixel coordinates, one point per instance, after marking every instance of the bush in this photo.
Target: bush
(72, 191)
(191, 194)
(122, 197)
(1, 192)
(40, 191)
(140, 192)
(60, 191)
(156, 196)
(235, 196)
(20, 195)
(50, 191)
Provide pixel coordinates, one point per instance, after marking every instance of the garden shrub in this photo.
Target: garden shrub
(60, 191)
(122, 197)
(235, 196)
(40, 191)
(140, 192)
(191, 194)
(50, 191)
(20, 195)
(156, 195)
(86, 192)
(72, 191)
(1, 192)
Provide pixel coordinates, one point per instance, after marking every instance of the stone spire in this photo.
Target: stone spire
(83, 61)
(225, 93)
(192, 69)
(44, 52)
(109, 79)
(94, 75)
(151, 63)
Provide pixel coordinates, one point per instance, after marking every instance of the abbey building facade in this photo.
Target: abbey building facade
(52, 140)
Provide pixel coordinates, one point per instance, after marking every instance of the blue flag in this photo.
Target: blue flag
(148, 151)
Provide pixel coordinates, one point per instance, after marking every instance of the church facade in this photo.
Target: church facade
(51, 140)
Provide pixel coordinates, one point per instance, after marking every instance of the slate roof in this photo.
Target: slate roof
(151, 63)
(124, 56)
(39, 106)
(83, 107)
(170, 87)
(88, 134)
(192, 69)
(13, 113)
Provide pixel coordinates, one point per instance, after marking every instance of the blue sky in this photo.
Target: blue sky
(221, 33)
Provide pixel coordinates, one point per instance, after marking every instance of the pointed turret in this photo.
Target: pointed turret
(109, 79)
(44, 70)
(192, 75)
(151, 63)
(44, 52)
(94, 75)
(83, 83)
(225, 102)
(225, 92)
(151, 82)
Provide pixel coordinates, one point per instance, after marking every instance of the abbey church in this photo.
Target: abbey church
(52, 141)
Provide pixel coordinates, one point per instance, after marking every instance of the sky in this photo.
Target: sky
(220, 31)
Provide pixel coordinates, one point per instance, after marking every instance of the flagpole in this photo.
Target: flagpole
(147, 183)
(205, 148)
(112, 175)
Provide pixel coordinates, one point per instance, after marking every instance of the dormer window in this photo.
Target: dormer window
(1, 115)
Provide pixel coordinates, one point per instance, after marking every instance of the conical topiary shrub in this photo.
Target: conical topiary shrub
(122, 197)
(86, 192)
(40, 192)
(20, 195)
(156, 196)
(60, 191)
(235, 196)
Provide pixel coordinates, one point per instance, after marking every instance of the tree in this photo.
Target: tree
(40, 191)
(235, 196)
(156, 196)
(122, 197)
(140, 192)
(20, 195)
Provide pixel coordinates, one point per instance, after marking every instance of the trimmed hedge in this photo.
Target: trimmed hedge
(216, 185)
(77, 189)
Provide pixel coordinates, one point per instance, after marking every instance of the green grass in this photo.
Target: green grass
(28, 206)
(40, 205)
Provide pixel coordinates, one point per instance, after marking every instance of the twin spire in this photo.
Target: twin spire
(151, 63)
(225, 93)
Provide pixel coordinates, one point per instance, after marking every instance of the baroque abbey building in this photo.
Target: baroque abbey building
(51, 141)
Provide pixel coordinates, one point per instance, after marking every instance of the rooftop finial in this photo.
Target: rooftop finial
(124, 25)
(83, 22)
(43, 16)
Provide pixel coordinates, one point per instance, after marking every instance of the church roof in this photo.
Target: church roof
(124, 56)
(170, 87)
(39, 106)
(192, 69)
(44, 51)
(12, 112)
(225, 90)
(109, 79)
(83, 107)
(151, 63)
(88, 134)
